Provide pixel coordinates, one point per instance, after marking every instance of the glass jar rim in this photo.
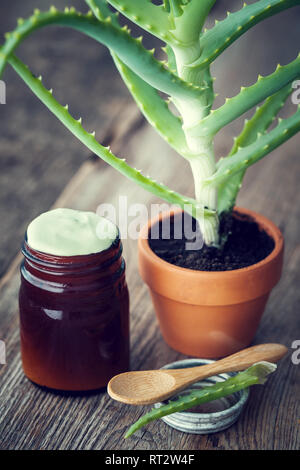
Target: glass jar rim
(49, 260)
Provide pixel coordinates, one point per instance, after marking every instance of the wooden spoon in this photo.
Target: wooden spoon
(151, 386)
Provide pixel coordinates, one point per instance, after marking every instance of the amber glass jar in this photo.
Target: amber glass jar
(74, 318)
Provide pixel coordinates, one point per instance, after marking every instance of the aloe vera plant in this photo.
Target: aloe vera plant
(256, 374)
(186, 80)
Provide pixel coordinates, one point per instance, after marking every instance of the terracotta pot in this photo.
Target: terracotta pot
(210, 314)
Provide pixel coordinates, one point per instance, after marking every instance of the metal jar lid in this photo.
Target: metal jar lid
(217, 415)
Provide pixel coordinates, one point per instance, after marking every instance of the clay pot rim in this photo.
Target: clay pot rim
(261, 220)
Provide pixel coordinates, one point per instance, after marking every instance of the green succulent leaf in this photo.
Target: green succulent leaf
(176, 8)
(175, 5)
(144, 13)
(262, 118)
(224, 33)
(89, 140)
(188, 25)
(256, 374)
(247, 98)
(153, 107)
(166, 5)
(102, 11)
(249, 155)
(171, 58)
(257, 125)
(128, 49)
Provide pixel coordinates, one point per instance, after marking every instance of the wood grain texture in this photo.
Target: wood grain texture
(41, 167)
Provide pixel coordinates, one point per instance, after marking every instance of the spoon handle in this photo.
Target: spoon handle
(270, 352)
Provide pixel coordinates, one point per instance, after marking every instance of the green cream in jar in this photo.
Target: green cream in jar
(68, 232)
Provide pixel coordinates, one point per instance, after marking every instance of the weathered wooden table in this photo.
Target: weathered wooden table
(43, 166)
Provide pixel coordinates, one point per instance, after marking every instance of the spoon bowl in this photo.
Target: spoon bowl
(140, 387)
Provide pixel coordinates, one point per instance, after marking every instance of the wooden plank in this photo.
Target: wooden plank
(102, 421)
(34, 419)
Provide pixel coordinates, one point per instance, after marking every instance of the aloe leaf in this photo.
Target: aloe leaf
(256, 374)
(148, 16)
(246, 99)
(258, 124)
(171, 58)
(262, 118)
(191, 20)
(166, 5)
(102, 11)
(89, 140)
(153, 107)
(176, 8)
(224, 33)
(128, 49)
(249, 155)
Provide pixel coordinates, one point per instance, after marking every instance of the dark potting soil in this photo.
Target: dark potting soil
(246, 244)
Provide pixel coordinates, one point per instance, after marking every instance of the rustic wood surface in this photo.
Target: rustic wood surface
(43, 166)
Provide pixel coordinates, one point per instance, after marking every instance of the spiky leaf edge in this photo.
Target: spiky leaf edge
(89, 140)
(257, 125)
(153, 107)
(249, 155)
(215, 40)
(246, 99)
(130, 50)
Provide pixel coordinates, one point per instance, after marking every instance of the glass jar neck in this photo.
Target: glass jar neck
(106, 266)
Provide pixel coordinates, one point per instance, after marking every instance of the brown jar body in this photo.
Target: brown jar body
(74, 318)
